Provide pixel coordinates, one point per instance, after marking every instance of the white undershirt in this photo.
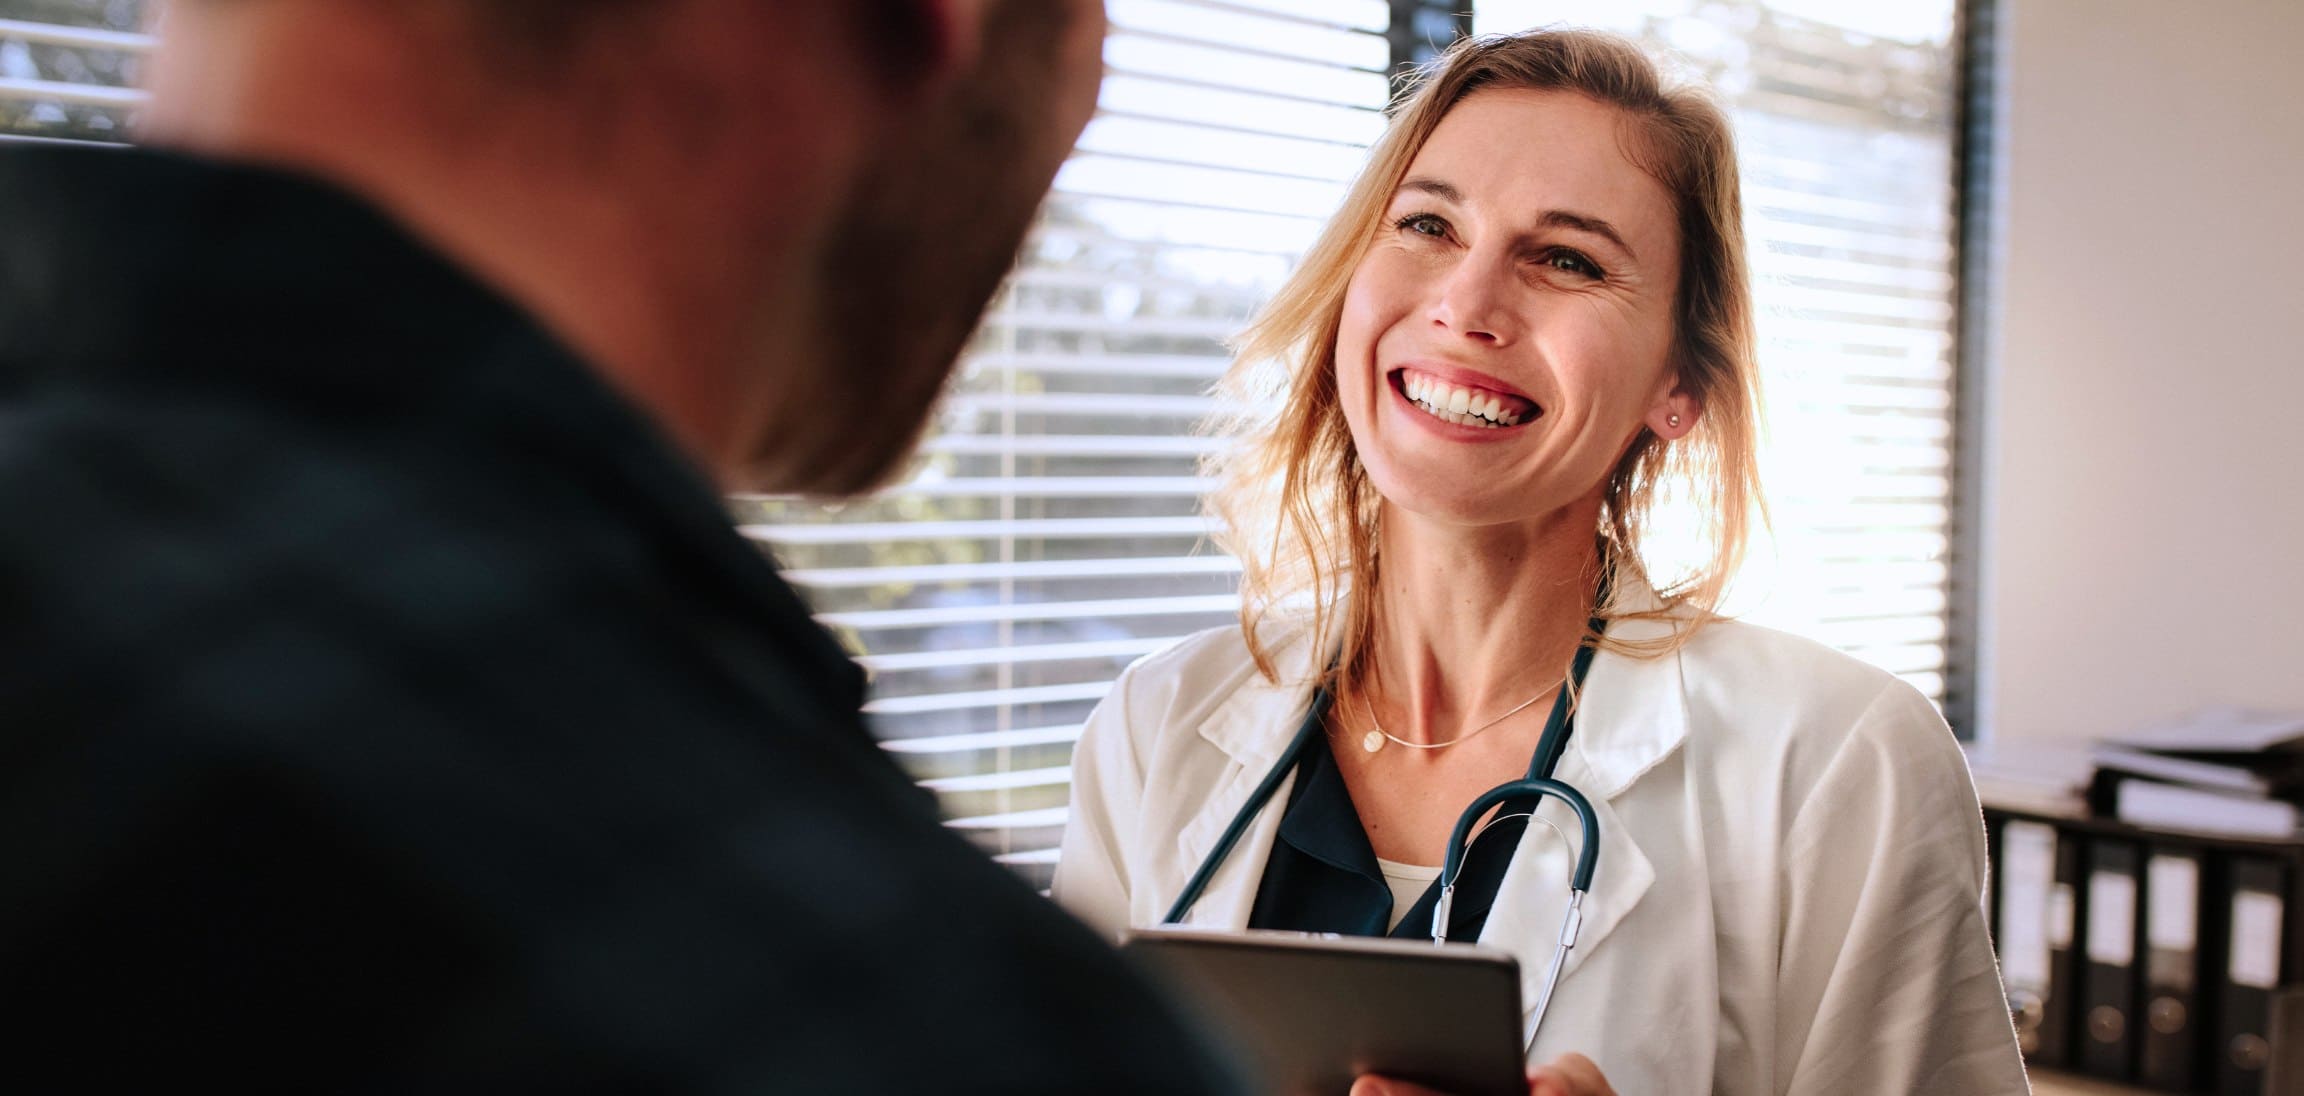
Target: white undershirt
(1408, 883)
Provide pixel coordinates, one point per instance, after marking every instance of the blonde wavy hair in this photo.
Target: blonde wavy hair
(1293, 501)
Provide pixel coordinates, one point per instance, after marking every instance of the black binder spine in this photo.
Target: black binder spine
(2169, 1040)
(2108, 983)
(2260, 922)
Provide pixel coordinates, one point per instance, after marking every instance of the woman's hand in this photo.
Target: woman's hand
(1567, 1075)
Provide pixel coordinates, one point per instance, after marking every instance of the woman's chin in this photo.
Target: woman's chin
(1452, 504)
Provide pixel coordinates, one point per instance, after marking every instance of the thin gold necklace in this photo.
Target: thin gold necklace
(1375, 740)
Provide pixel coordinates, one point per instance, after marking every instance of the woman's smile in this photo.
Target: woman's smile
(1462, 399)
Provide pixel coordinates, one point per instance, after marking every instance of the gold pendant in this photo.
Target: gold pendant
(1372, 741)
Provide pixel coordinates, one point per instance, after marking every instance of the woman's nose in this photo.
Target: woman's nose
(1471, 301)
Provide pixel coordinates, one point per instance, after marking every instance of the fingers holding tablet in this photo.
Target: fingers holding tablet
(1567, 1075)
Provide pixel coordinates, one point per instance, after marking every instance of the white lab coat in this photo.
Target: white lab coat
(1788, 897)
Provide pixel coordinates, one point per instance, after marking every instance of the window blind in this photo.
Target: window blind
(1050, 532)
(68, 68)
(1846, 121)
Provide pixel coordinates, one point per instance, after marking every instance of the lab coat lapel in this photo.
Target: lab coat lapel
(1252, 728)
(1633, 715)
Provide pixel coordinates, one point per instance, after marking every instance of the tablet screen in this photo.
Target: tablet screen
(1308, 1013)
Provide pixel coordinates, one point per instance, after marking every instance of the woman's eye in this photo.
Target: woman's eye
(1423, 224)
(1572, 263)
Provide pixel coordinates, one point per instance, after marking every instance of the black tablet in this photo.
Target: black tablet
(1308, 1013)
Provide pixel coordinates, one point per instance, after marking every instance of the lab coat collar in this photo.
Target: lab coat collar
(1633, 715)
(1634, 711)
(1252, 727)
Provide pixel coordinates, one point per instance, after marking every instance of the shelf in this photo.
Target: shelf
(2049, 1082)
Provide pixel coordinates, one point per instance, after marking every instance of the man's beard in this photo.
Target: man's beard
(908, 271)
(909, 262)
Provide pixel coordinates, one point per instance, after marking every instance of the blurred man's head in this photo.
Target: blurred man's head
(772, 225)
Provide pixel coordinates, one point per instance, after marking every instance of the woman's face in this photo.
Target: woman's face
(1509, 330)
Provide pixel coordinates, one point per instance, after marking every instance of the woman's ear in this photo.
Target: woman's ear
(1674, 415)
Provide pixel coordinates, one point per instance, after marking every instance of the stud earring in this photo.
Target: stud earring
(1673, 422)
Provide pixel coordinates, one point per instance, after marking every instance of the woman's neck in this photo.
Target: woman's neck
(1470, 622)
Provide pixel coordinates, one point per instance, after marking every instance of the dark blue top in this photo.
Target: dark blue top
(1323, 875)
(386, 707)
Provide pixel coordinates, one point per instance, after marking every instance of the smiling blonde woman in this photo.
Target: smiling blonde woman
(1530, 322)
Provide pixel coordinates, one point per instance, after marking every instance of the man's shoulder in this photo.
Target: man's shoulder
(212, 560)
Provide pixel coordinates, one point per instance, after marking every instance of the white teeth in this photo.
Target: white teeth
(1463, 406)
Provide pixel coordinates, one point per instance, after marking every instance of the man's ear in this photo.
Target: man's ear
(921, 44)
(1674, 415)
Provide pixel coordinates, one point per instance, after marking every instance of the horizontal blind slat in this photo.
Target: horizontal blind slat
(1033, 819)
(993, 656)
(870, 619)
(59, 34)
(988, 740)
(12, 88)
(995, 527)
(1015, 570)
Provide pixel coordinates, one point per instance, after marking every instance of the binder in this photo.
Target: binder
(2025, 880)
(2067, 900)
(2168, 1051)
(2108, 982)
(2260, 923)
(2118, 952)
(2286, 1073)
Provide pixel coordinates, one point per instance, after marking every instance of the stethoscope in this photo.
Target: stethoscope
(1536, 785)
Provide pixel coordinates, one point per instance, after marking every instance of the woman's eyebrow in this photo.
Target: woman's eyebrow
(1552, 218)
(1437, 188)
(1584, 222)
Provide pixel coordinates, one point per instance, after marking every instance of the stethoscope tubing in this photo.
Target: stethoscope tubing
(1537, 784)
(1313, 718)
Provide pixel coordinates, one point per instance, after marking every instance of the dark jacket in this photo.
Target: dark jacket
(383, 707)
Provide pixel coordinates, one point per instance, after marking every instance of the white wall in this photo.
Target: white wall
(2145, 527)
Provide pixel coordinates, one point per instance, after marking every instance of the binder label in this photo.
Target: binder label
(2111, 918)
(2255, 939)
(2060, 916)
(2172, 890)
(2028, 871)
